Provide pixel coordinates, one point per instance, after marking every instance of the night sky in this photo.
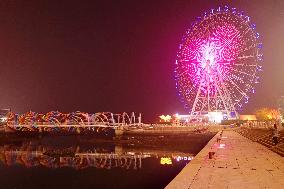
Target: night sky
(115, 55)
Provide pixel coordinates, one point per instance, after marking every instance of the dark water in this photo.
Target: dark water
(80, 162)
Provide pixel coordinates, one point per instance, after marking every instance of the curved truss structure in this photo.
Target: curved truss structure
(75, 121)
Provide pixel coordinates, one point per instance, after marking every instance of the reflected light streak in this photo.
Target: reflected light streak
(166, 161)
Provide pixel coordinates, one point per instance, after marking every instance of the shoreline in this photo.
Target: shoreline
(171, 140)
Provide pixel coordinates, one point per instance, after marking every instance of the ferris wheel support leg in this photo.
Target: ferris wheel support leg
(221, 95)
(228, 98)
(196, 99)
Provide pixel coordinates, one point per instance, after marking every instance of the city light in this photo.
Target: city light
(166, 161)
(215, 117)
(166, 118)
(185, 158)
(3, 119)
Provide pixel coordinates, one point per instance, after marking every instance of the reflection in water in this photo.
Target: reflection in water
(52, 162)
(31, 154)
(166, 160)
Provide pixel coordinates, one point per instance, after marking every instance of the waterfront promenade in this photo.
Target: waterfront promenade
(237, 163)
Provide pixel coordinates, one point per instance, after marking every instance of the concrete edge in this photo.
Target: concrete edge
(185, 178)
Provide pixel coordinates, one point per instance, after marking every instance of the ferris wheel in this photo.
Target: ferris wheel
(218, 62)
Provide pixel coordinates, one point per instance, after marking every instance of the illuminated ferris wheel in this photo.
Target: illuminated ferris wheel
(218, 62)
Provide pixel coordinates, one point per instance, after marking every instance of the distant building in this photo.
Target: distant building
(207, 117)
(248, 117)
(4, 116)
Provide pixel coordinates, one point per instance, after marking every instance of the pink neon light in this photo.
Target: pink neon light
(218, 51)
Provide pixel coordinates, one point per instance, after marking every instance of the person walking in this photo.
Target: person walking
(275, 134)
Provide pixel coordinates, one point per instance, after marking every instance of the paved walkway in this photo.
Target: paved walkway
(238, 163)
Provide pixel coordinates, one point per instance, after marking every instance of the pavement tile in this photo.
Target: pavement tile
(238, 163)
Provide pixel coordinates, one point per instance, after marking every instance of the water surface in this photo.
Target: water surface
(79, 162)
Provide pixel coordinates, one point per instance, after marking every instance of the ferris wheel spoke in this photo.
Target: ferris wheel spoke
(244, 32)
(232, 82)
(183, 73)
(242, 72)
(246, 65)
(249, 48)
(190, 62)
(228, 42)
(247, 86)
(246, 57)
(186, 73)
(233, 77)
(248, 77)
(241, 92)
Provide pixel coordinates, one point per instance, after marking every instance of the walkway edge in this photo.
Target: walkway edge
(185, 178)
